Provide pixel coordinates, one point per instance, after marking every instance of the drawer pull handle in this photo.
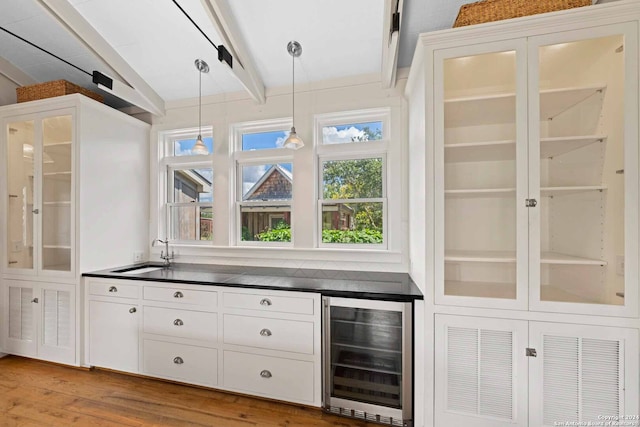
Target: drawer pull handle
(178, 294)
(113, 289)
(178, 360)
(265, 333)
(266, 302)
(265, 374)
(178, 322)
(132, 310)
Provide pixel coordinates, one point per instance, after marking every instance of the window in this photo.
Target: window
(264, 189)
(352, 156)
(188, 187)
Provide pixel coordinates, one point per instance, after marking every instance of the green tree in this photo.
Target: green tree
(360, 178)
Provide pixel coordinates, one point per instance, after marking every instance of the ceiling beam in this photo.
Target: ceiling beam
(15, 74)
(390, 42)
(135, 89)
(243, 66)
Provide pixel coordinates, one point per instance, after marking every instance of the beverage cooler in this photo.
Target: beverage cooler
(367, 355)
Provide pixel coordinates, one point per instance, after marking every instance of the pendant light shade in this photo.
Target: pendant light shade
(293, 141)
(199, 148)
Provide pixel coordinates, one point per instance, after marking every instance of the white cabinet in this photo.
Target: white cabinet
(265, 343)
(114, 335)
(490, 372)
(74, 181)
(530, 147)
(537, 177)
(40, 320)
(112, 325)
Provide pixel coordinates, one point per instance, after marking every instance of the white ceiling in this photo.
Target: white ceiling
(339, 37)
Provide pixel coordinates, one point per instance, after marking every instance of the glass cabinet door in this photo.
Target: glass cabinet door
(56, 192)
(480, 146)
(20, 189)
(585, 158)
(40, 191)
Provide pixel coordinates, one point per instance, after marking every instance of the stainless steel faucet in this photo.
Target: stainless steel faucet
(164, 255)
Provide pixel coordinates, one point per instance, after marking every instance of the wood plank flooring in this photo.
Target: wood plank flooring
(34, 393)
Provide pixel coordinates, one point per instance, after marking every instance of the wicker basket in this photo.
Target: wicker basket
(495, 10)
(52, 89)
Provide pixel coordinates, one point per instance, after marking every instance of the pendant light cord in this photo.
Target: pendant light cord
(199, 102)
(293, 90)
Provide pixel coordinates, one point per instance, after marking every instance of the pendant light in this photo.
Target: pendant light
(293, 142)
(199, 148)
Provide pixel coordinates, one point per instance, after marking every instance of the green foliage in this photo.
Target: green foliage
(351, 236)
(246, 234)
(281, 233)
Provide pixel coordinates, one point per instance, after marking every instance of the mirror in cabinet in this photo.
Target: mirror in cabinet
(580, 161)
(480, 123)
(20, 178)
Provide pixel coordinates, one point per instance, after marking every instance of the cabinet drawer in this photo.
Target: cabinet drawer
(186, 363)
(196, 325)
(274, 334)
(183, 296)
(114, 289)
(275, 303)
(285, 379)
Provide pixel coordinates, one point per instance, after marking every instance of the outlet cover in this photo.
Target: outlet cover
(137, 256)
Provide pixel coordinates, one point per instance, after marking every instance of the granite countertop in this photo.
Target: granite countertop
(334, 283)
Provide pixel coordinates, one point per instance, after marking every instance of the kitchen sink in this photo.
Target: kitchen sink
(139, 270)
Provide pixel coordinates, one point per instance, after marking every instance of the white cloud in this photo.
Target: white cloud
(332, 135)
(281, 139)
(251, 175)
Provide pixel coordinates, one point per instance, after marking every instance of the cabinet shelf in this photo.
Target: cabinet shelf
(510, 192)
(480, 289)
(53, 144)
(473, 110)
(506, 149)
(59, 203)
(56, 247)
(57, 173)
(510, 257)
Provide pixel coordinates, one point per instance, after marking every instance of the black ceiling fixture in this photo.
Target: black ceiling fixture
(223, 54)
(97, 76)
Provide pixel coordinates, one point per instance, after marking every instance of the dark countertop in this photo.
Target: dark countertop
(333, 283)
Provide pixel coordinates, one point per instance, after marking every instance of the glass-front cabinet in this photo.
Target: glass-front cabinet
(536, 166)
(40, 192)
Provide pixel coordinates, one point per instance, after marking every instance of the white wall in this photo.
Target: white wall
(7, 91)
(357, 93)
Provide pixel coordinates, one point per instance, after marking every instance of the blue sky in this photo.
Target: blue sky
(274, 139)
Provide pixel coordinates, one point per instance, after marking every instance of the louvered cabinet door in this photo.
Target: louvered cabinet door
(582, 374)
(57, 338)
(20, 318)
(480, 372)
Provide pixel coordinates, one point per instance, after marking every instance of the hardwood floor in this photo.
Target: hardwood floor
(34, 393)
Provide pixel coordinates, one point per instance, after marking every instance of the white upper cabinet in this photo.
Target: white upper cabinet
(40, 190)
(75, 198)
(534, 147)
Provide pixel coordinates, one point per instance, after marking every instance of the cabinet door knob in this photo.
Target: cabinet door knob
(35, 300)
(178, 322)
(530, 203)
(265, 301)
(178, 294)
(132, 310)
(265, 374)
(178, 360)
(36, 211)
(113, 289)
(265, 333)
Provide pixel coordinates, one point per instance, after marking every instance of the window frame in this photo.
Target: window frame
(360, 150)
(241, 158)
(167, 165)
